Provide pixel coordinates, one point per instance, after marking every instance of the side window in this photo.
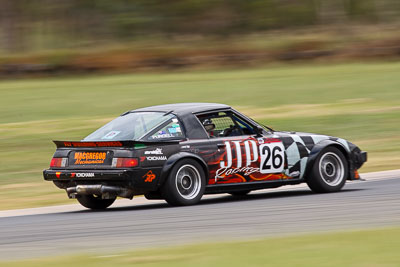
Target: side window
(246, 128)
(222, 124)
(172, 129)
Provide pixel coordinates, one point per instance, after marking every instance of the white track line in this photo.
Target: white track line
(369, 177)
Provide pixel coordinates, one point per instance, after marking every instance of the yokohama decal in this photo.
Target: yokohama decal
(82, 174)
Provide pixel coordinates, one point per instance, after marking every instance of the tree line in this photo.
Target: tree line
(28, 25)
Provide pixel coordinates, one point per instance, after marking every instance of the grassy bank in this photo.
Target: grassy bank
(357, 248)
(359, 102)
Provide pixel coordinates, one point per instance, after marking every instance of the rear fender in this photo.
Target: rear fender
(174, 159)
(316, 150)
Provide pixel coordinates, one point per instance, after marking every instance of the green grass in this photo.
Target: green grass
(356, 248)
(359, 102)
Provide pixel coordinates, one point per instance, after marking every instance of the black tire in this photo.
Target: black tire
(185, 184)
(240, 193)
(329, 172)
(95, 202)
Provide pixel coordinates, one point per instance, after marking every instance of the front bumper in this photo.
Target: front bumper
(360, 158)
(363, 156)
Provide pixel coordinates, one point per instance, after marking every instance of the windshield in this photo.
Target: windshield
(131, 126)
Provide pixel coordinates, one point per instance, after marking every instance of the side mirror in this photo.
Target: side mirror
(259, 131)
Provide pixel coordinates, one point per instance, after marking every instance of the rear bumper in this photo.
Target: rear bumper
(124, 178)
(87, 175)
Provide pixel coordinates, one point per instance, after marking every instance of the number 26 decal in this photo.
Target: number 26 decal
(272, 158)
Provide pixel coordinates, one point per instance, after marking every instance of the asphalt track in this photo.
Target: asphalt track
(141, 224)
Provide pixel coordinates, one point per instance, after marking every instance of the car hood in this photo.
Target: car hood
(311, 139)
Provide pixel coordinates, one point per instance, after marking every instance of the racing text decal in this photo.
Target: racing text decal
(89, 157)
(92, 144)
(251, 160)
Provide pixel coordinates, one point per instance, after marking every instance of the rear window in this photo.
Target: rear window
(131, 126)
(169, 129)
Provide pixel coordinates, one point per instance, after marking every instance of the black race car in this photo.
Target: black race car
(179, 152)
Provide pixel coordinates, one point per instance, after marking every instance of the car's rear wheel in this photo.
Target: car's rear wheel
(329, 172)
(95, 202)
(185, 184)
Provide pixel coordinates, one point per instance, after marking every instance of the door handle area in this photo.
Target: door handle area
(221, 145)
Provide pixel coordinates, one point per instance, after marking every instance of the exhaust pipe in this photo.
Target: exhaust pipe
(105, 191)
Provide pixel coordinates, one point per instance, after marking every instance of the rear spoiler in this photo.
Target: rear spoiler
(134, 144)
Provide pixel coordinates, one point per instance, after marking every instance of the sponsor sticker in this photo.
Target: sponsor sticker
(149, 177)
(157, 151)
(89, 158)
(111, 135)
(81, 174)
(164, 135)
(154, 158)
(84, 174)
(92, 144)
(172, 130)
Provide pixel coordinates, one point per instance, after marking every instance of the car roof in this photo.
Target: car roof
(184, 108)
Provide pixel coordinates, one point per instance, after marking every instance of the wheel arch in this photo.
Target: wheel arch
(316, 151)
(172, 160)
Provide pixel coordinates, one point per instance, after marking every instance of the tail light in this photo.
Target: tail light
(58, 162)
(125, 162)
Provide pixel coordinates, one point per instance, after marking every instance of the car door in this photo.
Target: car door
(241, 155)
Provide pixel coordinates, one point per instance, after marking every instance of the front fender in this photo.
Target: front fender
(175, 158)
(316, 150)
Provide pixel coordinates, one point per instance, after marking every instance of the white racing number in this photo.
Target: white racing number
(272, 157)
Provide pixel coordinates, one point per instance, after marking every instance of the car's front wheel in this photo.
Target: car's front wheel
(329, 172)
(185, 184)
(95, 202)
